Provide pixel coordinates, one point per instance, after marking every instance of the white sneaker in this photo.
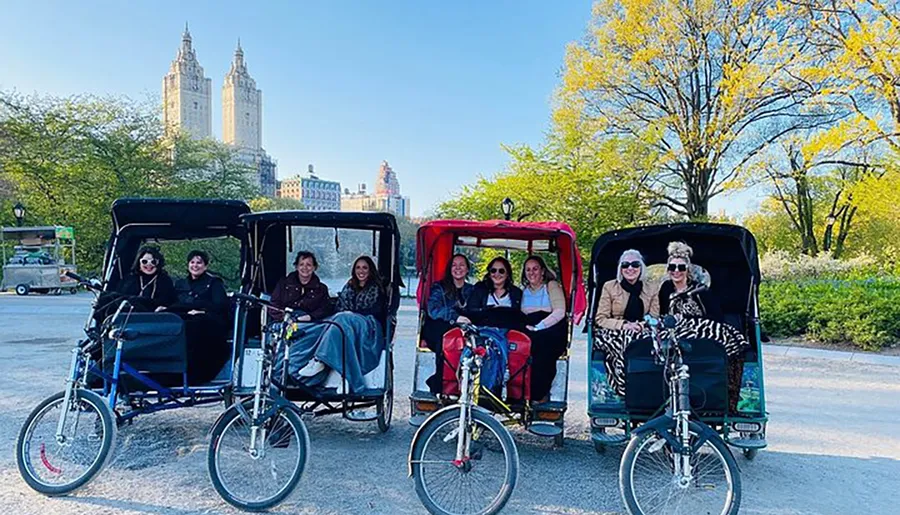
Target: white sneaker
(312, 368)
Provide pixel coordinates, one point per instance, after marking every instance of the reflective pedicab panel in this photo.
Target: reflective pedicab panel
(302, 352)
(681, 374)
(477, 370)
(132, 359)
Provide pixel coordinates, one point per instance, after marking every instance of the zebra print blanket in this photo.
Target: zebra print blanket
(613, 342)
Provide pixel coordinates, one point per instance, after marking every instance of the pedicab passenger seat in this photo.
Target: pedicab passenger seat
(155, 343)
(646, 389)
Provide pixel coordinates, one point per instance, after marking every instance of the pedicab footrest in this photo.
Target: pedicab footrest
(608, 438)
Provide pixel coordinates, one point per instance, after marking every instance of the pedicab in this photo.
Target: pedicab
(462, 424)
(266, 423)
(727, 393)
(69, 437)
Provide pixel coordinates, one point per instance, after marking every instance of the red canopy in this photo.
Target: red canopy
(435, 241)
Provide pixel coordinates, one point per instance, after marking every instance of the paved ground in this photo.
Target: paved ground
(834, 440)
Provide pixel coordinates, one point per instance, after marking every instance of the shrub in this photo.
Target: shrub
(862, 312)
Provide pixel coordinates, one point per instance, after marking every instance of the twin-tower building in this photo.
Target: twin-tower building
(187, 106)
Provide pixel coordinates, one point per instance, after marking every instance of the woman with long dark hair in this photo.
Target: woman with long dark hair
(446, 301)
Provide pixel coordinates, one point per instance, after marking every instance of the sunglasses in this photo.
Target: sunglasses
(632, 264)
(149, 262)
(672, 267)
(498, 271)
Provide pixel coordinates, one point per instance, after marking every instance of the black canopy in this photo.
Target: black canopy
(727, 251)
(269, 241)
(136, 220)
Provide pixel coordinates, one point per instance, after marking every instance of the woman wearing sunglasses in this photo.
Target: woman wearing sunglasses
(148, 283)
(626, 299)
(681, 280)
(496, 289)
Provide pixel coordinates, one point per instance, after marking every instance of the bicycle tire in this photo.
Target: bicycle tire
(213, 460)
(105, 451)
(626, 468)
(511, 459)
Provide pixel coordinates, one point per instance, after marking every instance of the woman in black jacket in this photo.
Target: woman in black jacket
(496, 290)
(203, 304)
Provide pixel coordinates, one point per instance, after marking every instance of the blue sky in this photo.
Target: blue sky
(435, 88)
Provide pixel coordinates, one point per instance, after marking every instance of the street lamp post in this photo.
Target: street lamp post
(507, 207)
(19, 213)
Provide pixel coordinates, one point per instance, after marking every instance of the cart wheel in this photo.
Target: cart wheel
(22, 289)
(386, 404)
(73, 291)
(750, 454)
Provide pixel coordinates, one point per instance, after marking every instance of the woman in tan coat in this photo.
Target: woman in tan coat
(626, 299)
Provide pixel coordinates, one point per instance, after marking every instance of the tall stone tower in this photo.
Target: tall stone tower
(241, 106)
(187, 93)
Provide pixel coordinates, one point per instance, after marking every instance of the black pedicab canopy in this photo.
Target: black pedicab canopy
(269, 234)
(136, 220)
(727, 252)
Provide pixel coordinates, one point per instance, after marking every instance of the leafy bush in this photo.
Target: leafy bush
(862, 312)
(780, 265)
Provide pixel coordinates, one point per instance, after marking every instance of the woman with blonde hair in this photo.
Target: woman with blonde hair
(626, 299)
(685, 291)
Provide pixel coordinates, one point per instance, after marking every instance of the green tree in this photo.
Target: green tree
(710, 85)
(592, 188)
(68, 159)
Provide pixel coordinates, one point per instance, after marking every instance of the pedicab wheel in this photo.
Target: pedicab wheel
(58, 466)
(647, 483)
(22, 289)
(259, 480)
(386, 403)
(481, 484)
(750, 454)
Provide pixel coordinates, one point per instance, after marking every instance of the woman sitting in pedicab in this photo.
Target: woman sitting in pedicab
(544, 306)
(350, 341)
(149, 284)
(681, 294)
(625, 300)
(496, 290)
(203, 305)
(301, 290)
(446, 301)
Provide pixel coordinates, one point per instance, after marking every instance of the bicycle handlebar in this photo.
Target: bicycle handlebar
(91, 284)
(253, 299)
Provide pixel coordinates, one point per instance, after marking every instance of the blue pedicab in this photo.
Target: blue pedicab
(258, 446)
(727, 392)
(113, 375)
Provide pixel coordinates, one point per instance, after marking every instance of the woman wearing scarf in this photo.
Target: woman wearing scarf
(626, 299)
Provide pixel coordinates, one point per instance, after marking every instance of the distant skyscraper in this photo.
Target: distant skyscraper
(241, 106)
(187, 93)
(386, 197)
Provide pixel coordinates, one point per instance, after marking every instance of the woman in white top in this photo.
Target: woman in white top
(544, 305)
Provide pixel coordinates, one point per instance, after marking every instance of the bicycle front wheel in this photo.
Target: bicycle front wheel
(257, 478)
(482, 482)
(58, 464)
(649, 484)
